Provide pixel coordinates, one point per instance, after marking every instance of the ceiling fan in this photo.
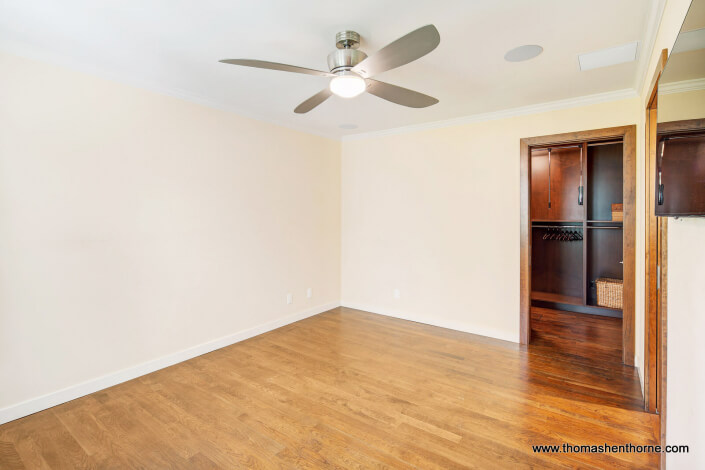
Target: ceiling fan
(352, 71)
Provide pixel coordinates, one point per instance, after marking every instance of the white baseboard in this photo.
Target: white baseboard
(49, 400)
(489, 332)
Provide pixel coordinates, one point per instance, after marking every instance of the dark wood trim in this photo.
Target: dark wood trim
(687, 125)
(576, 137)
(586, 178)
(628, 136)
(629, 247)
(651, 326)
(525, 248)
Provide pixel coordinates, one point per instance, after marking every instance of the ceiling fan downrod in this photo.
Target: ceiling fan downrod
(347, 54)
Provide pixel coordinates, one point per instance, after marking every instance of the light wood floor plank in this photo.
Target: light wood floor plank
(351, 389)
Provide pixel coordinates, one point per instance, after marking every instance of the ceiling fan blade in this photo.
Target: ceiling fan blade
(313, 101)
(406, 49)
(263, 64)
(399, 95)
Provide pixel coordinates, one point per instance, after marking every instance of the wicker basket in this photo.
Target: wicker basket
(609, 292)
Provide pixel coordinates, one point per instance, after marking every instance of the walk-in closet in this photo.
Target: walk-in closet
(578, 243)
(577, 227)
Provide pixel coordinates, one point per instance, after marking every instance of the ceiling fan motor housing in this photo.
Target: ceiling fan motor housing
(347, 55)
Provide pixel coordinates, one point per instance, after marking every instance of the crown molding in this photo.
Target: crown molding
(682, 86)
(24, 51)
(31, 53)
(504, 114)
(652, 28)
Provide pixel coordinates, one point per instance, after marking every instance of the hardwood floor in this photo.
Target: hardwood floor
(589, 340)
(350, 389)
(588, 337)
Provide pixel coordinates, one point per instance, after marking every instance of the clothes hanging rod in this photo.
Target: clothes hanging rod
(589, 144)
(610, 142)
(558, 148)
(559, 226)
(603, 226)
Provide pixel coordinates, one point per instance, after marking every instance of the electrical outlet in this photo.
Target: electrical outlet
(309, 293)
(289, 298)
(397, 294)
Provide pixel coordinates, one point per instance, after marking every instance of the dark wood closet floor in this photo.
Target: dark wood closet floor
(350, 389)
(590, 340)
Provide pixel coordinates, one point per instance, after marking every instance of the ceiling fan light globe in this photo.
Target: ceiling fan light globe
(347, 86)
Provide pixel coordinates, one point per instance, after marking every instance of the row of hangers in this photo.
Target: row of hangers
(563, 234)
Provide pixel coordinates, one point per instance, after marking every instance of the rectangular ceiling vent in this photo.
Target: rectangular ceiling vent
(607, 57)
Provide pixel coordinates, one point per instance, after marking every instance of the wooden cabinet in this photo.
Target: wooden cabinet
(574, 240)
(680, 177)
(555, 182)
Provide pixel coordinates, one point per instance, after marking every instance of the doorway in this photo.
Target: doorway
(579, 230)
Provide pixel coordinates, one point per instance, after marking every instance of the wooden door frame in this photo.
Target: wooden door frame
(628, 135)
(654, 332)
(655, 279)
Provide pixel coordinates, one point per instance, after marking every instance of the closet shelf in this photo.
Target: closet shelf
(558, 298)
(604, 308)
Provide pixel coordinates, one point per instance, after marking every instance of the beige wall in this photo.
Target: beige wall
(435, 214)
(680, 106)
(685, 419)
(136, 225)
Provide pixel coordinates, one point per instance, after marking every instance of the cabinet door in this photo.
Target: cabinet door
(539, 185)
(565, 180)
(562, 175)
(682, 176)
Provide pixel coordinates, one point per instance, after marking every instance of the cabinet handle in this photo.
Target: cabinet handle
(660, 185)
(549, 178)
(660, 194)
(580, 188)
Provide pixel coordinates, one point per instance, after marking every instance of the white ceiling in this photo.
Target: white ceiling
(174, 46)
